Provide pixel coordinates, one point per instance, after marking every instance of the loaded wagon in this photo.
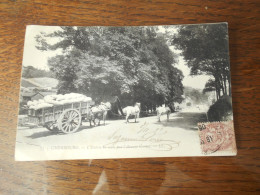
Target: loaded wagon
(64, 117)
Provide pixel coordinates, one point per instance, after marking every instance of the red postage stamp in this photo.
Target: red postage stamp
(217, 137)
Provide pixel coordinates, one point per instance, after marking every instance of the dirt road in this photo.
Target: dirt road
(179, 132)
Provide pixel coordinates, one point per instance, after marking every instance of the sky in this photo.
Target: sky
(38, 59)
(197, 81)
(32, 56)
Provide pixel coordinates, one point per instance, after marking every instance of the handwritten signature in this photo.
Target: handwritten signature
(145, 137)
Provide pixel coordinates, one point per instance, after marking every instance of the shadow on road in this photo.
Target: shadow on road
(188, 121)
(48, 133)
(42, 134)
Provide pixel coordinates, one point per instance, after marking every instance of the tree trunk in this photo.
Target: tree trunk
(229, 87)
(119, 105)
(225, 84)
(221, 84)
(217, 90)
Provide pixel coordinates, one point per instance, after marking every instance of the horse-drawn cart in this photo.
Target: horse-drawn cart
(66, 117)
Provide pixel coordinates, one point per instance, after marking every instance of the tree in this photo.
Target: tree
(66, 68)
(132, 63)
(210, 86)
(205, 48)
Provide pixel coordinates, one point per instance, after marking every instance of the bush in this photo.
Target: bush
(221, 110)
(188, 104)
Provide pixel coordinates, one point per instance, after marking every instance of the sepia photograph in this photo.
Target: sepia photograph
(125, 92)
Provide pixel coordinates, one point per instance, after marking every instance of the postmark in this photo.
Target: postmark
(217, 137)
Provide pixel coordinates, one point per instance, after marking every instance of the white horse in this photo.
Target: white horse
(163, 110)
(130, 110)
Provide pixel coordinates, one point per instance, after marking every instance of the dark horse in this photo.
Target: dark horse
(99, 113)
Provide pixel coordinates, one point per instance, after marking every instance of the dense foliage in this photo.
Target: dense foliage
(196, 95)
(221, 110)
(132, 63)
(31, 72)
(205, 48)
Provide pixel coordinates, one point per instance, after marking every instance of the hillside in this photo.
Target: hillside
(32, 72)
(195, 95)
(41, 82)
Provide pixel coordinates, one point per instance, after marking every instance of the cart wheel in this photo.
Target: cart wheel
(52, 126)
(69, 121)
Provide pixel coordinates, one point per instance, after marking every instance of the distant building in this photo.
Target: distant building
(26, 96)
(25, 90)
(30, 96)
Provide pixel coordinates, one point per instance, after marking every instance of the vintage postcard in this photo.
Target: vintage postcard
(125, 92)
